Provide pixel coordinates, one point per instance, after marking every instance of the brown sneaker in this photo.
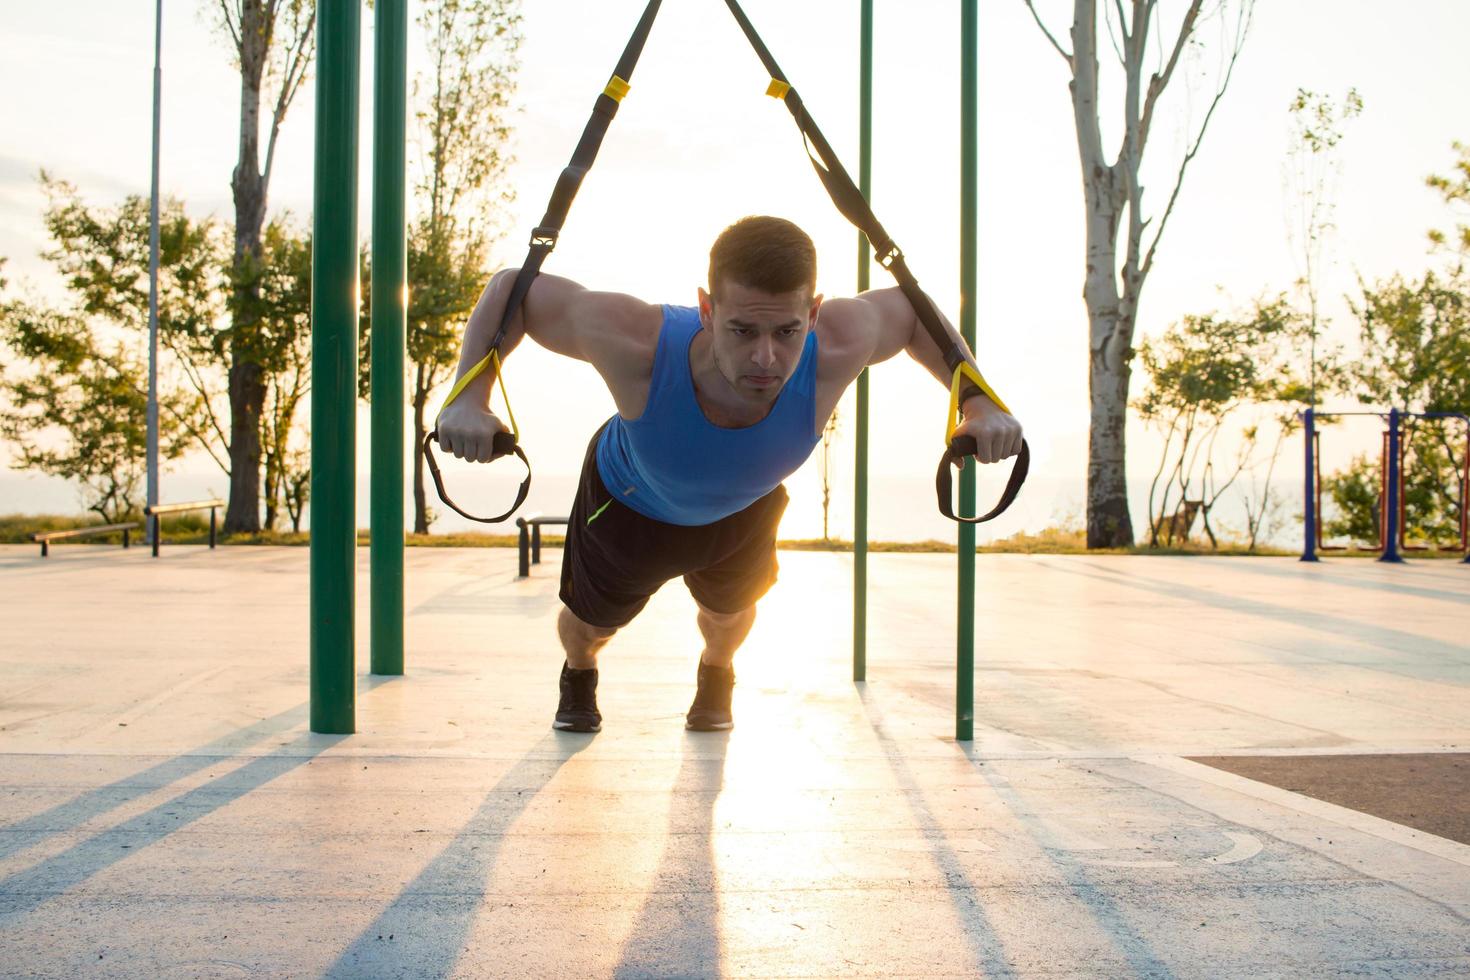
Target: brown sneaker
(710, 711)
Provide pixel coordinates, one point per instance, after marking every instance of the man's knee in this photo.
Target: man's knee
(570, 623)
(725, 619)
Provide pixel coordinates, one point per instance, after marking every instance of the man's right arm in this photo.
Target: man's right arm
(611, 331)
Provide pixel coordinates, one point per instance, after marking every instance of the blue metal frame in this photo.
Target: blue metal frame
(1391, 491)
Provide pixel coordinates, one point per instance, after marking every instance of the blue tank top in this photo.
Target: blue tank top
(674, 465)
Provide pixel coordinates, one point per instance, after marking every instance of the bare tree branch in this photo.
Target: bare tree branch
(196, 381)
(1160, 80)
(297, 62)
(1199, 139)
(120, 370)
(1049, 36)
(1108, 19)
(230, 25)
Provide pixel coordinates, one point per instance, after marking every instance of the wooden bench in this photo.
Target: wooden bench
(529, 544)
(160, 509)
(46, 537)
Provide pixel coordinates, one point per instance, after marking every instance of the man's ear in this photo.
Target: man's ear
(706, 309)
(816, 308)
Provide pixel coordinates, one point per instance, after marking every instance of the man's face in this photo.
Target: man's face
(757, 337)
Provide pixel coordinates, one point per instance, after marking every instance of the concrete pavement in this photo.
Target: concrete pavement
(164, 812)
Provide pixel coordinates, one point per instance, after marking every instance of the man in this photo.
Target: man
(715, 407)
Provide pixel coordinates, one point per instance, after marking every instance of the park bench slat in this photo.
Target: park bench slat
(157, 510)
(44, 538)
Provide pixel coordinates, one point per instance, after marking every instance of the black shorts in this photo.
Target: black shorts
(617, 558)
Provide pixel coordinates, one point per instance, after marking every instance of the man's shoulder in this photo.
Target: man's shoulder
(619, 334)
(620, 319)
(845, 329)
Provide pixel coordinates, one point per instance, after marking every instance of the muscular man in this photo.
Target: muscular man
(716, 405)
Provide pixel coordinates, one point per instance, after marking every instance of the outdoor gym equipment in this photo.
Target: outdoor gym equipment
(1391, 506)
(849, 200)
(334, 278)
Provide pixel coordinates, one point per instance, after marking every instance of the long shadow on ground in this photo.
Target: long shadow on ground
(24, 891)
(987, 948)
(683, 938)
(92, 803)
(424, 931)
(1382, 637)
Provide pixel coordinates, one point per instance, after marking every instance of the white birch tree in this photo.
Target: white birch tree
(1122, 236)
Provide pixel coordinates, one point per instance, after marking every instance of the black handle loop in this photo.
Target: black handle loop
(504, 444)
(944, 480)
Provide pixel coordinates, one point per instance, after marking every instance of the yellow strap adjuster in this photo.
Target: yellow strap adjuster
(616, 89)
(960, 373)
(490, 359)
(778, 89)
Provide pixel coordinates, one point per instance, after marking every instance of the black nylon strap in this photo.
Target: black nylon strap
(505, 445)
(944, 485)
(543, 240)
(855, 208)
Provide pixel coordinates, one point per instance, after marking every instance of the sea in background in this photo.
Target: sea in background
(901, 507)
(902, 503)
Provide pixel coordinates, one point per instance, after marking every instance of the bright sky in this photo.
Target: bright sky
(697, 145)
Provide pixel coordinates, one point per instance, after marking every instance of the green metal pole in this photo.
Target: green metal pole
(334, 304)
(860, 483)
(390, 321)
(964, 721)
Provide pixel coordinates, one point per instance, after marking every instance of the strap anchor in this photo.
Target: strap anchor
(544, 236)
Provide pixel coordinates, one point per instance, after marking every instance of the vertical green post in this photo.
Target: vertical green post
(390, 290)
(860, 483)
(964, 721)
(334, 305)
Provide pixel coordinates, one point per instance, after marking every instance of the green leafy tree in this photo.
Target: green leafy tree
(445, 280)
(1356, 494)
(273, 42)
(77, 405)
(1433, 482)
(79, 409)
(1455, 189)
(102, 256)
(464, 124)
(1415, 338)
(283, 292)
(1201, 371)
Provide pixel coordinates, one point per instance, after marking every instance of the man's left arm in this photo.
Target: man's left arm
(896, 327)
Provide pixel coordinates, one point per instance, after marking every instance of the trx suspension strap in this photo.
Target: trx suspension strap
(543, 240)
(854, 207)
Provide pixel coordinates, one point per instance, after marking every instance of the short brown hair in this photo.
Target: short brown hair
(761, 252)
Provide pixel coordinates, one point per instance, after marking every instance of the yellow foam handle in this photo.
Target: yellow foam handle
(616, 89)
(960, 373)
(491, 359)
(778, 89)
